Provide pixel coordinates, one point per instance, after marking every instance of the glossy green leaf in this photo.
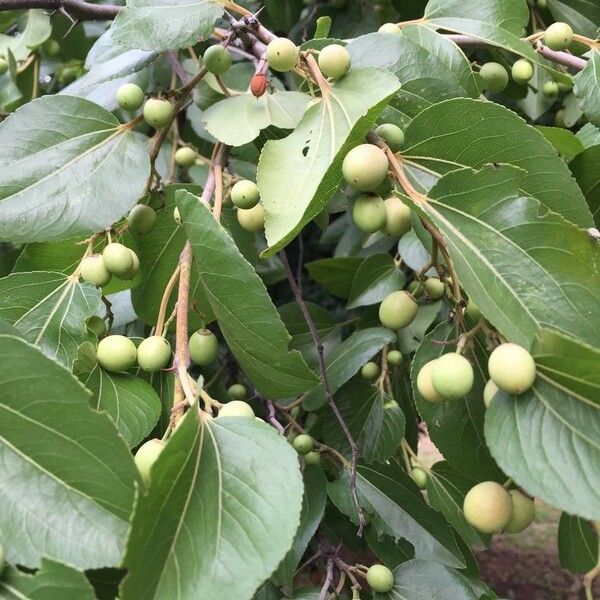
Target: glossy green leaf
(36, 31)
(218, 505)
(583, 167)
(73, 179)
(376, 277)
(335, 274)
(299, 174)
(577, 544)
(587, 88)
(247, 318)
(53, 441)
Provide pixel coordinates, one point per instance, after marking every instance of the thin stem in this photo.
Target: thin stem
(35, 82)
(562, 58)
(82, 11)
(328, 579)
(160, 321)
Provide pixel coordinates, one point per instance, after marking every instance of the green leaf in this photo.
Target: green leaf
(247, 318)
(583, 16)
(299, 174)
(504, 246)
(413, 252)
(587, 87)
(547, 439)
(75, 178)
(37, 30)
(411, 336)
(218, 505)
(237, 120)
(53, 441)
(50, 309)
(577, 544)
(589, 135)
(165, 25)
(472, 133)
(376, 277)
(583, 167)
(565, 142)
(347, 359)
(53, 580)
(335, 274)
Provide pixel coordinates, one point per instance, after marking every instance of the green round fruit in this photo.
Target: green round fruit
(3, 66)
(93, 270)
(141, 218)
(130, 97)
(488, 507)
(282, 54)
(392, 135)
(217, 59)
(365, 167)
(369, 371)
(244, 194)
(69, 74)
(312, 458)
(390, 28)
(425, 384)
(398, 310)
(146, 456)
(380, 578)
(397, 217)
(489, 391)
(96, 325)
(523, 512)
(236, 408)
(395, 358)
(559, 118)
(157, 112)
(558, 36)
(118, 260)
(542, 4)
(185, 157)
(512, 368)
(237, 392)
(495, 77)
(472, 311)
(135, 267)
(435, 288)
(204, 347)
(154, 353)
(116, 353)
(452, 376)
(368, 213)
(176, 216)
(252, 219)
(419, 476)
(303, 443)
(51, 47)
(550, 89)
(522, 71)
(334, 61)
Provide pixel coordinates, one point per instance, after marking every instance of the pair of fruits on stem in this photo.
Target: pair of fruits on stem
(116, 259)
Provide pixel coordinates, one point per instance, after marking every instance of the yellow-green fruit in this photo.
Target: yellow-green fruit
(185, 157)
(365, 167)
(135, 266)
(558, 36)
(236, 408)
(204, 347)
(368, 213)
(489, 391)
(116, 353)
(96, 325)
(282, 54)
(312, 458)
(390, 28)
(3, 66)
(472, 311)
(176, 216)
(435, 288)
(495, 77)
(141, 218)
(217, 59)
(146, 456)
(392, 135)
(395, 357)
(334, 61)
(158, 113)
(154, 353)
(452, 376)
(550, 89)
(522, 71)
(425, 385)
(523, 512)
(244, 194)
(252, 219)
(380, 578)
(93, 270)
(237, 392)
(118, 260)
(397, 217)
(369, 371)
(512, 368)
(130, 97)
(51, 47)
(303, 443)
(398, 310)
(419, 477)
(559, 118)
(488, 507)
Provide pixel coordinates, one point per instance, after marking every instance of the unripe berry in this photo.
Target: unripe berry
(365, 167)
(334, 61)
(397, 217)
(452, 376)
(550, 89)
(252, 219)
(3, 66)
(146, 456)
(398, 310)
(380, 578)
(158, 113)
(419, 476)
(204, 347)
(141, 218)
(559, 118)
(217, 59)
(236, 408)
(472, 311)
(312, 458)
(154, 353)
(390, 28)
(96, 325)
(118, 259)
(282, 54)
(51, 47)
(512, 368)
(116, 353)
(523, 512)
(244, 194)
(558, 36)
(135, 267)
(392, 135)
(394, 357)
(495, 77)
(522, 71)
(237, 392)
(542, 4)
(93, 270)
(425, 385)
(185, 157)
(488, 507)
(435, 288)
(369, 371)
(368, 213)
(303, 443)
(489, 391)
(130, 97)
(176, 216)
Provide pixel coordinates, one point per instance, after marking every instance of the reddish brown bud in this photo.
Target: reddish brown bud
(258, 85)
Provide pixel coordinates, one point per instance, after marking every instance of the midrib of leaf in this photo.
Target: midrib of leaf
(13, 591)
(54, 310)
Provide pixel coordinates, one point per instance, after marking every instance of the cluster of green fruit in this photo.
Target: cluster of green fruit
(250, 214)
(304, 446)
(371, 370)
(158, 112)
(116, 259)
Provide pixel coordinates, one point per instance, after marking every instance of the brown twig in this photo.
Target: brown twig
(562, 58)
(82, 11)
(160, 321)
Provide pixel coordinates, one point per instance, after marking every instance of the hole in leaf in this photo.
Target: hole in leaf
(305, 151)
